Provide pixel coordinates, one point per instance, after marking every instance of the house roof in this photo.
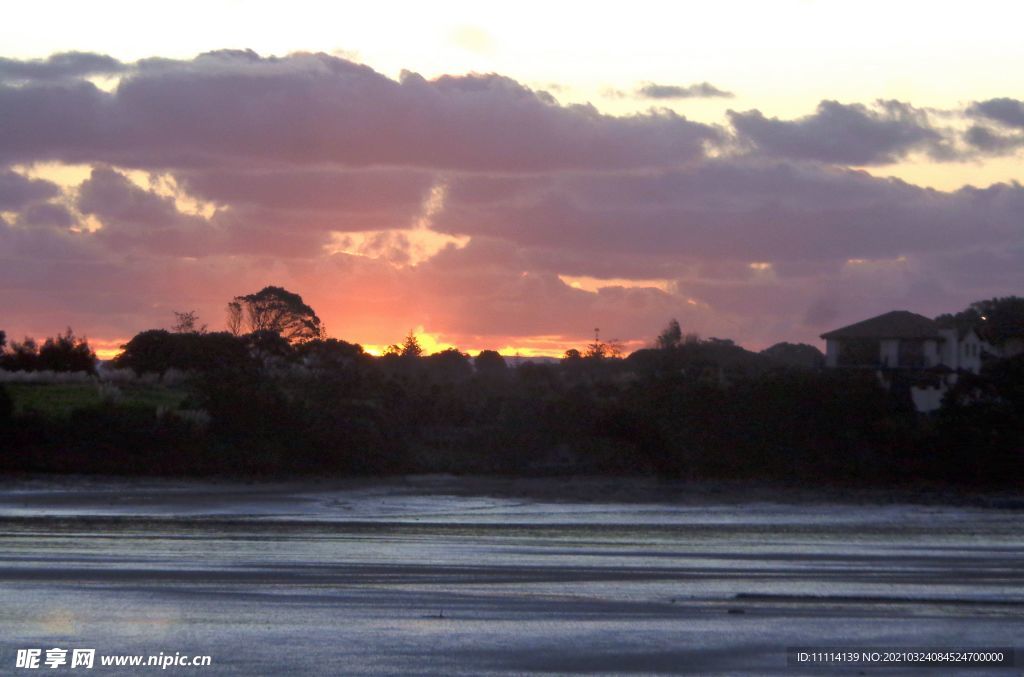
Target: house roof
(896, 324)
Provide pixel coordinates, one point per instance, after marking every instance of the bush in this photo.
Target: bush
(159, 351)
(6, 407)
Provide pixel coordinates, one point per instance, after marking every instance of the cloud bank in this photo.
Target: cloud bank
(485, 211)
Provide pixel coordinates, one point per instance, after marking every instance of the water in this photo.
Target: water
(450, 577)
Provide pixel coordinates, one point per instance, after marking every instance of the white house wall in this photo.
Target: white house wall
(831, 353)
(970, 350)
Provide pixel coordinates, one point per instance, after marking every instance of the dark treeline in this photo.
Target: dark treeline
(64, 352)
(257, 404)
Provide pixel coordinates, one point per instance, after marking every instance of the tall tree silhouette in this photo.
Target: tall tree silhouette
(411, 346)
(671, 336)
(277, 310)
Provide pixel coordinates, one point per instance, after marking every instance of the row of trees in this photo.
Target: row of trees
(264, 401)
(64, 352)
(274, 318)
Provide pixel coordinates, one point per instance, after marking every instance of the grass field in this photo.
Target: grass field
(60, 399)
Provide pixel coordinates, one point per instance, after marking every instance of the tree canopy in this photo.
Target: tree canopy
(799, 355)
(277, 310)
(187, 322)
(411, 346)
(157, 350)
(995, 320)
(63, 352)
(490, 362)
(671, 336)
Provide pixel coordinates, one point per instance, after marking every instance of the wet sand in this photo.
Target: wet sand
(454, 576)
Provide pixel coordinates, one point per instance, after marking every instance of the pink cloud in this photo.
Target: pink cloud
(283, 156)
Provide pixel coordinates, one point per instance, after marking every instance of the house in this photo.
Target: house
(907, 349)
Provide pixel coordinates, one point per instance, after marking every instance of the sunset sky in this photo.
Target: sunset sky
(509, 176)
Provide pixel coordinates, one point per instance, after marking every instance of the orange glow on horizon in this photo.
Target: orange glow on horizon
(431, 343)
(107, 349)
(538, 346)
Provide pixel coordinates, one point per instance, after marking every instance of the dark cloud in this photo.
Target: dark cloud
(47, 215)
(843, 134)
(143, 220)
(57, 121)
(118, 202)
(505, 282)
(1007, 134)
(337, 199)
(134, 218)
(733, 209)
(235, 107)
(702, 90)
(16, 191)
(992, 142)
(1006, 111)
(58, 66)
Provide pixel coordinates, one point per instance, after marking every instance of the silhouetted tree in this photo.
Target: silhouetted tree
(799, 355)
(236, 318)
(671, 336)
(157, 350)
(995, 320)
(981, 426)
(67, 352)
(330, 353)
(411, 346)
(64, 352)
(187, 322)
(449, 365)
(152, 351)
(1001, 382)
(597, 349)
(267, 343)
(1002, 319)
(22, 356)
(490, 363)
(277, 310)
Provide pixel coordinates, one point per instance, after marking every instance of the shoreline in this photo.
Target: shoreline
(578, 489)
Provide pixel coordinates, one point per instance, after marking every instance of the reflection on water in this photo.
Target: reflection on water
(436, 577)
